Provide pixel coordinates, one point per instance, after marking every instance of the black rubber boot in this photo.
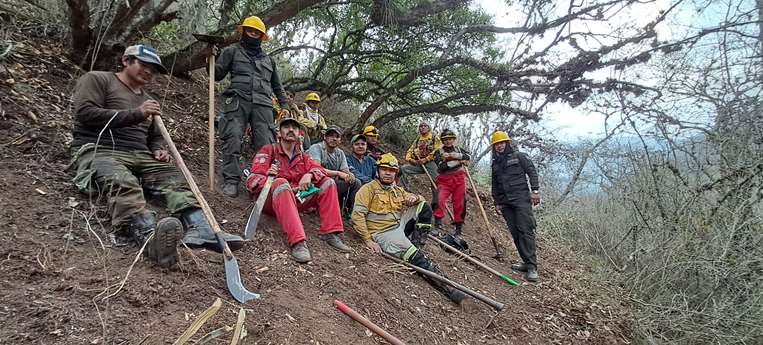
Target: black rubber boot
(230, 189)
(459, 230)
(162, 248)
(198, 232)
(420, 260)
(438, 225)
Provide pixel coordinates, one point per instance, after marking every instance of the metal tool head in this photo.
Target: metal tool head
(211, 39)
(233, 279)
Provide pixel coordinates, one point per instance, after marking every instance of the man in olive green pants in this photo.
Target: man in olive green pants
(253, 79)
(117, 152)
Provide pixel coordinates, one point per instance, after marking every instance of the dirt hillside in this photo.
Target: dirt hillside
(61, 265)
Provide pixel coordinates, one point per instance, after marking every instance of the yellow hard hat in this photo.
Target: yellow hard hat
(312, 96)
(499, 136)
(370, 131)
(387, 160)
(254, 22)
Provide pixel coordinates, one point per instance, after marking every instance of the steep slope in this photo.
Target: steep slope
(60, 259)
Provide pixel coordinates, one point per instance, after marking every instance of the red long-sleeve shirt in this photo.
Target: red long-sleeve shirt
(291, 169)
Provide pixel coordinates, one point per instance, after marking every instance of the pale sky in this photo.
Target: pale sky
(560, 120)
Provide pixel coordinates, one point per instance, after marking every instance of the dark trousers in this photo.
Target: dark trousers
(347, 193)
(518, 214)
(238, 113)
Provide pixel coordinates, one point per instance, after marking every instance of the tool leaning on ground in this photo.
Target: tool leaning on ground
(254, 217)
(474, 261)
(232, 271)
(211, 41)
(367, 323)
(498, 306)
(499, 251)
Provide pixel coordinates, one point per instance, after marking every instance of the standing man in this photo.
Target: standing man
(333, 160)
(117, 152)
(374, 146)
(362, 165)
(392, 220)
(295, 171)
(316, 123)
(253, 79)
(420, 156)
(510, 173)
(451, 180)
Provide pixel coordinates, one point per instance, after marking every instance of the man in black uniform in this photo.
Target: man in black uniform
(510, 172)
(254, 78)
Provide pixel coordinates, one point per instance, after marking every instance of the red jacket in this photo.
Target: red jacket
(292, 171)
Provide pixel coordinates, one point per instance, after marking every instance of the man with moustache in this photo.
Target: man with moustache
(294, 170)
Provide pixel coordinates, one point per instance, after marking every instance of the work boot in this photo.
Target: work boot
(459, 230)
(532, 274)
(420, 260)
(162, 248)
(198, 232)
(300, 252)
(230, 189)
(438, 224)
(336, 242)
(519, 267)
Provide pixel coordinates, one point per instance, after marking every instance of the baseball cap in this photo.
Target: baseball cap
(357, 137)
(334, 129)
(146, 54)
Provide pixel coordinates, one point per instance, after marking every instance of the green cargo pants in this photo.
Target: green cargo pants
(237, 114)
(124, 176)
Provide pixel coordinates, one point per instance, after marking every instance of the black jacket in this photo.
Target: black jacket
(510, 172)
(442, 165)
(254, 80)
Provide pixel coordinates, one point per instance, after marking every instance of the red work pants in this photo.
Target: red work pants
(286, 209)
(452, 186)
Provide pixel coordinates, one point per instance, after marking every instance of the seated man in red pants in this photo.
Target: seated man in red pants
(295, 171)
(451, 180)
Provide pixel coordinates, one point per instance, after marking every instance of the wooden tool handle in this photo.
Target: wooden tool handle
(189, 178)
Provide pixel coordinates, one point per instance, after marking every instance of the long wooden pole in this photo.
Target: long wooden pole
(474, 261)
(498, 306)
(211, 123)
(498, 250)
(367, 323)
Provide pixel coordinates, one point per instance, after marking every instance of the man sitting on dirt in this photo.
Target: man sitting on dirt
(451, 180)
(374, 146)
(117, 151)
(361, 164)
(420, 157)
(510, 172)
(293, 169)
(333, 160)
(392, 220)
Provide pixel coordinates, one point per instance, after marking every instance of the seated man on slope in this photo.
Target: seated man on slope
(362, 165)
(334, 161)
(117, 152)
(396, 222)
(295, 171)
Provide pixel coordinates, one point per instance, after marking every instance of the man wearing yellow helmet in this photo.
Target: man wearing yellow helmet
(374, 146)
(314, 121)
(253, 79)
(510, 173)
(391, 220)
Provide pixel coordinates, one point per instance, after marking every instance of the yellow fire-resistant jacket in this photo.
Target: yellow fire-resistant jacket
(424, 147)
(378, 208)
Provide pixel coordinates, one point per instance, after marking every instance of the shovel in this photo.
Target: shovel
(232, 272)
